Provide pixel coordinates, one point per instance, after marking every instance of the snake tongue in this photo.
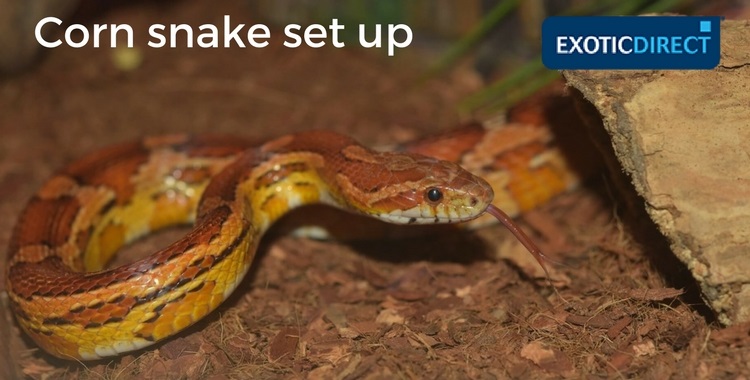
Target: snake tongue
(519, 234)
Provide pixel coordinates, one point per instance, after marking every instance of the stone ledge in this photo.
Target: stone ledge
(684, 139)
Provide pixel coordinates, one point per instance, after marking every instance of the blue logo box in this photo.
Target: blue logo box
(631, 42)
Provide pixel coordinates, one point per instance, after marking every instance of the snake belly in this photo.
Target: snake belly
(232, 191)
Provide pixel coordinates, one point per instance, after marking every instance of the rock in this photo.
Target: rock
(684, 139)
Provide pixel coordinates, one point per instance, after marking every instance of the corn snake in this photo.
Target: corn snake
(92, 207)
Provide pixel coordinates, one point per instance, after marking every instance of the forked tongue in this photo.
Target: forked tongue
(520, 235)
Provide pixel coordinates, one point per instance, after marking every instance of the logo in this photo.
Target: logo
(631, 42)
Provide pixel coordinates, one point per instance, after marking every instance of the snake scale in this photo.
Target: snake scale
(232, 190)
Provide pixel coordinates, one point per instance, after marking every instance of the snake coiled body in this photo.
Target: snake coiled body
(232, 191)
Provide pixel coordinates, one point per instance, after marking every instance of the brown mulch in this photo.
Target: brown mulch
(458, 304)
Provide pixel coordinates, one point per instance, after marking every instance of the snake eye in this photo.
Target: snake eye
(434, 194)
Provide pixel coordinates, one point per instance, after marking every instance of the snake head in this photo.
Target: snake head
(414, 189)
(447, 194)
